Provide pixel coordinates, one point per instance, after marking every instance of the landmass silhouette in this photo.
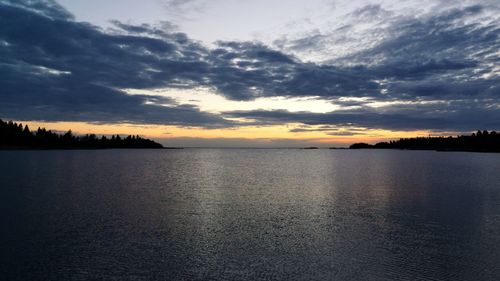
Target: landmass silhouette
(14, 135)
(482, 141)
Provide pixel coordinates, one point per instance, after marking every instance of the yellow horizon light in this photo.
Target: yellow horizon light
(257, 133)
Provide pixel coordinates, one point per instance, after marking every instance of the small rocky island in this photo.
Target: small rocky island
(15, 136)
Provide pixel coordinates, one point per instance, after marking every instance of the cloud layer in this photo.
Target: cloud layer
(438, 71)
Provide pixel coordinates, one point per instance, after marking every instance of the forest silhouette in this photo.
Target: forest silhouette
(481, 141)
(14, 135)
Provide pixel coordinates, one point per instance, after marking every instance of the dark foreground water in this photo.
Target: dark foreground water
(229, 214)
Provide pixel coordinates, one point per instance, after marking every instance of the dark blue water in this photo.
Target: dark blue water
(255, 214)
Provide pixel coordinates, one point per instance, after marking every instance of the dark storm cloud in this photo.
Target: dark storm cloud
(49, 8)
(75, 71)
(456, 115)
(447, 55)
(442, 56)
(244, 71)
(54, 68)
(439, 44)
(448, 62)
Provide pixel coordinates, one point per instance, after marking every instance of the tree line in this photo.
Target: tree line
(481, 141)
(14, 135)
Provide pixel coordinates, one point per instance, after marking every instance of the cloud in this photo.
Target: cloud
(371, 12)
(450, 115)
(56, 69)
(438, 71)
(329, 130)
(48, 8)
(344, 133)
(183, 9)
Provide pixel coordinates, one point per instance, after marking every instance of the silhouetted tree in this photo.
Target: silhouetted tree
(479, 141)
(14, 135)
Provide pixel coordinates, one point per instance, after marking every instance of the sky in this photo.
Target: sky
(261, 73)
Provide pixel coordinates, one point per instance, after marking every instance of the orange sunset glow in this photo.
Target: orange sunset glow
(261, 135)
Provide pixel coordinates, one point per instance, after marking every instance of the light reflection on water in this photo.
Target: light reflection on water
(240, 214)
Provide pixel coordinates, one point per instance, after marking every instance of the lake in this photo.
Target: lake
(249, 214)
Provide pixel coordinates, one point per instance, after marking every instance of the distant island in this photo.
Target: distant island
(482, 141)
(15, 136)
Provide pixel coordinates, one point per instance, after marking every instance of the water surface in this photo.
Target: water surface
(249, 214)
